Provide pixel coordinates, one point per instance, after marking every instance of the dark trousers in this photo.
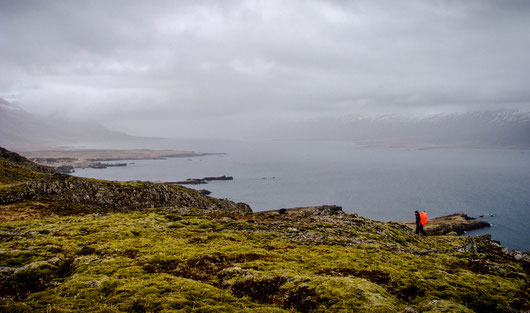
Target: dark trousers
(419, 228)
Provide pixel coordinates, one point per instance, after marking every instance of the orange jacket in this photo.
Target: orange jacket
(423, 218)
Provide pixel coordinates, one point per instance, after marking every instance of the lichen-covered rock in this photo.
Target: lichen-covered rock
(39, 269)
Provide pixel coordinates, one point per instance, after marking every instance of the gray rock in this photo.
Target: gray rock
(54, 260)
(35, 269)
(469, 246)
(6, 271)
(95, 284)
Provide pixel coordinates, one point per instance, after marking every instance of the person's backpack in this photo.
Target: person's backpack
(423, 218)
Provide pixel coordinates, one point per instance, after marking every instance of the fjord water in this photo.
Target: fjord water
(386, 184)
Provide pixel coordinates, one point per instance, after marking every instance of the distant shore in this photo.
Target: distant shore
(82, 158)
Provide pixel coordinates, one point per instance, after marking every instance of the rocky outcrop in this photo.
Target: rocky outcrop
(322, 210)
(26, 181)
(65, 169)
(295, 220)
(458, 223)
(312, 225)
(75, 193)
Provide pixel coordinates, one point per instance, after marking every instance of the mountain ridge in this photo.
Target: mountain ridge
(479, 129)
(20, 130)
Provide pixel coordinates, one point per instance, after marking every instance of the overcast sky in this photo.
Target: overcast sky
(164, 67)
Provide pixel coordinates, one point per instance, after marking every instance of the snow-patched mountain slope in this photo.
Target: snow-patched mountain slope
(509, 129)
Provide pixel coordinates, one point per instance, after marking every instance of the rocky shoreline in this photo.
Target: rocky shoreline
(455, 224)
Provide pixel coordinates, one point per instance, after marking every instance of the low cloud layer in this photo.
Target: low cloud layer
(224, 68)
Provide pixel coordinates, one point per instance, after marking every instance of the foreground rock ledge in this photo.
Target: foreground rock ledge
(457, 223)
(306, 211)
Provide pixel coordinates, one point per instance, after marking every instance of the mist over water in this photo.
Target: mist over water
(378, 183)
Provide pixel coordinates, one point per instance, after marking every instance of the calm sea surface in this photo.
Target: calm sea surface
(386, 184)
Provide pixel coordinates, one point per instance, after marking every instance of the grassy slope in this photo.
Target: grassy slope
(192, 259)
(15, 169)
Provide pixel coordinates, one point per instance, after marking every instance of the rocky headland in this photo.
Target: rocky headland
(456, 224)
(70, 244)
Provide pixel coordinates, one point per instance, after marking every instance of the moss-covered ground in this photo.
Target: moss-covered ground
(174, 260)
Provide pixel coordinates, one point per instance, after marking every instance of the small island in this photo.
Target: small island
(199, 181)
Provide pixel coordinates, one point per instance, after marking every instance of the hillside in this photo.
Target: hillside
(41, 190)
(82, 245)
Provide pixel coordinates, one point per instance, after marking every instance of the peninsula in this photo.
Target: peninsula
(82, 158)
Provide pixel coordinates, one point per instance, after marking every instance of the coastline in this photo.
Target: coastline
(453, 224)
(456, 224)
(83, 158)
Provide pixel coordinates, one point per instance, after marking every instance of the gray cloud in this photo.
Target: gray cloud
(169, 65)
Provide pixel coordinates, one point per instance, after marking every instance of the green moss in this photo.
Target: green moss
(443, 306)
(12, 173)
(146, 261)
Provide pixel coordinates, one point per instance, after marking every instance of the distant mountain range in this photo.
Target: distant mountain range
(499, 129)
(21, 130)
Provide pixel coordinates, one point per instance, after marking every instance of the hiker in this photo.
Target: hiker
(420, 222)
